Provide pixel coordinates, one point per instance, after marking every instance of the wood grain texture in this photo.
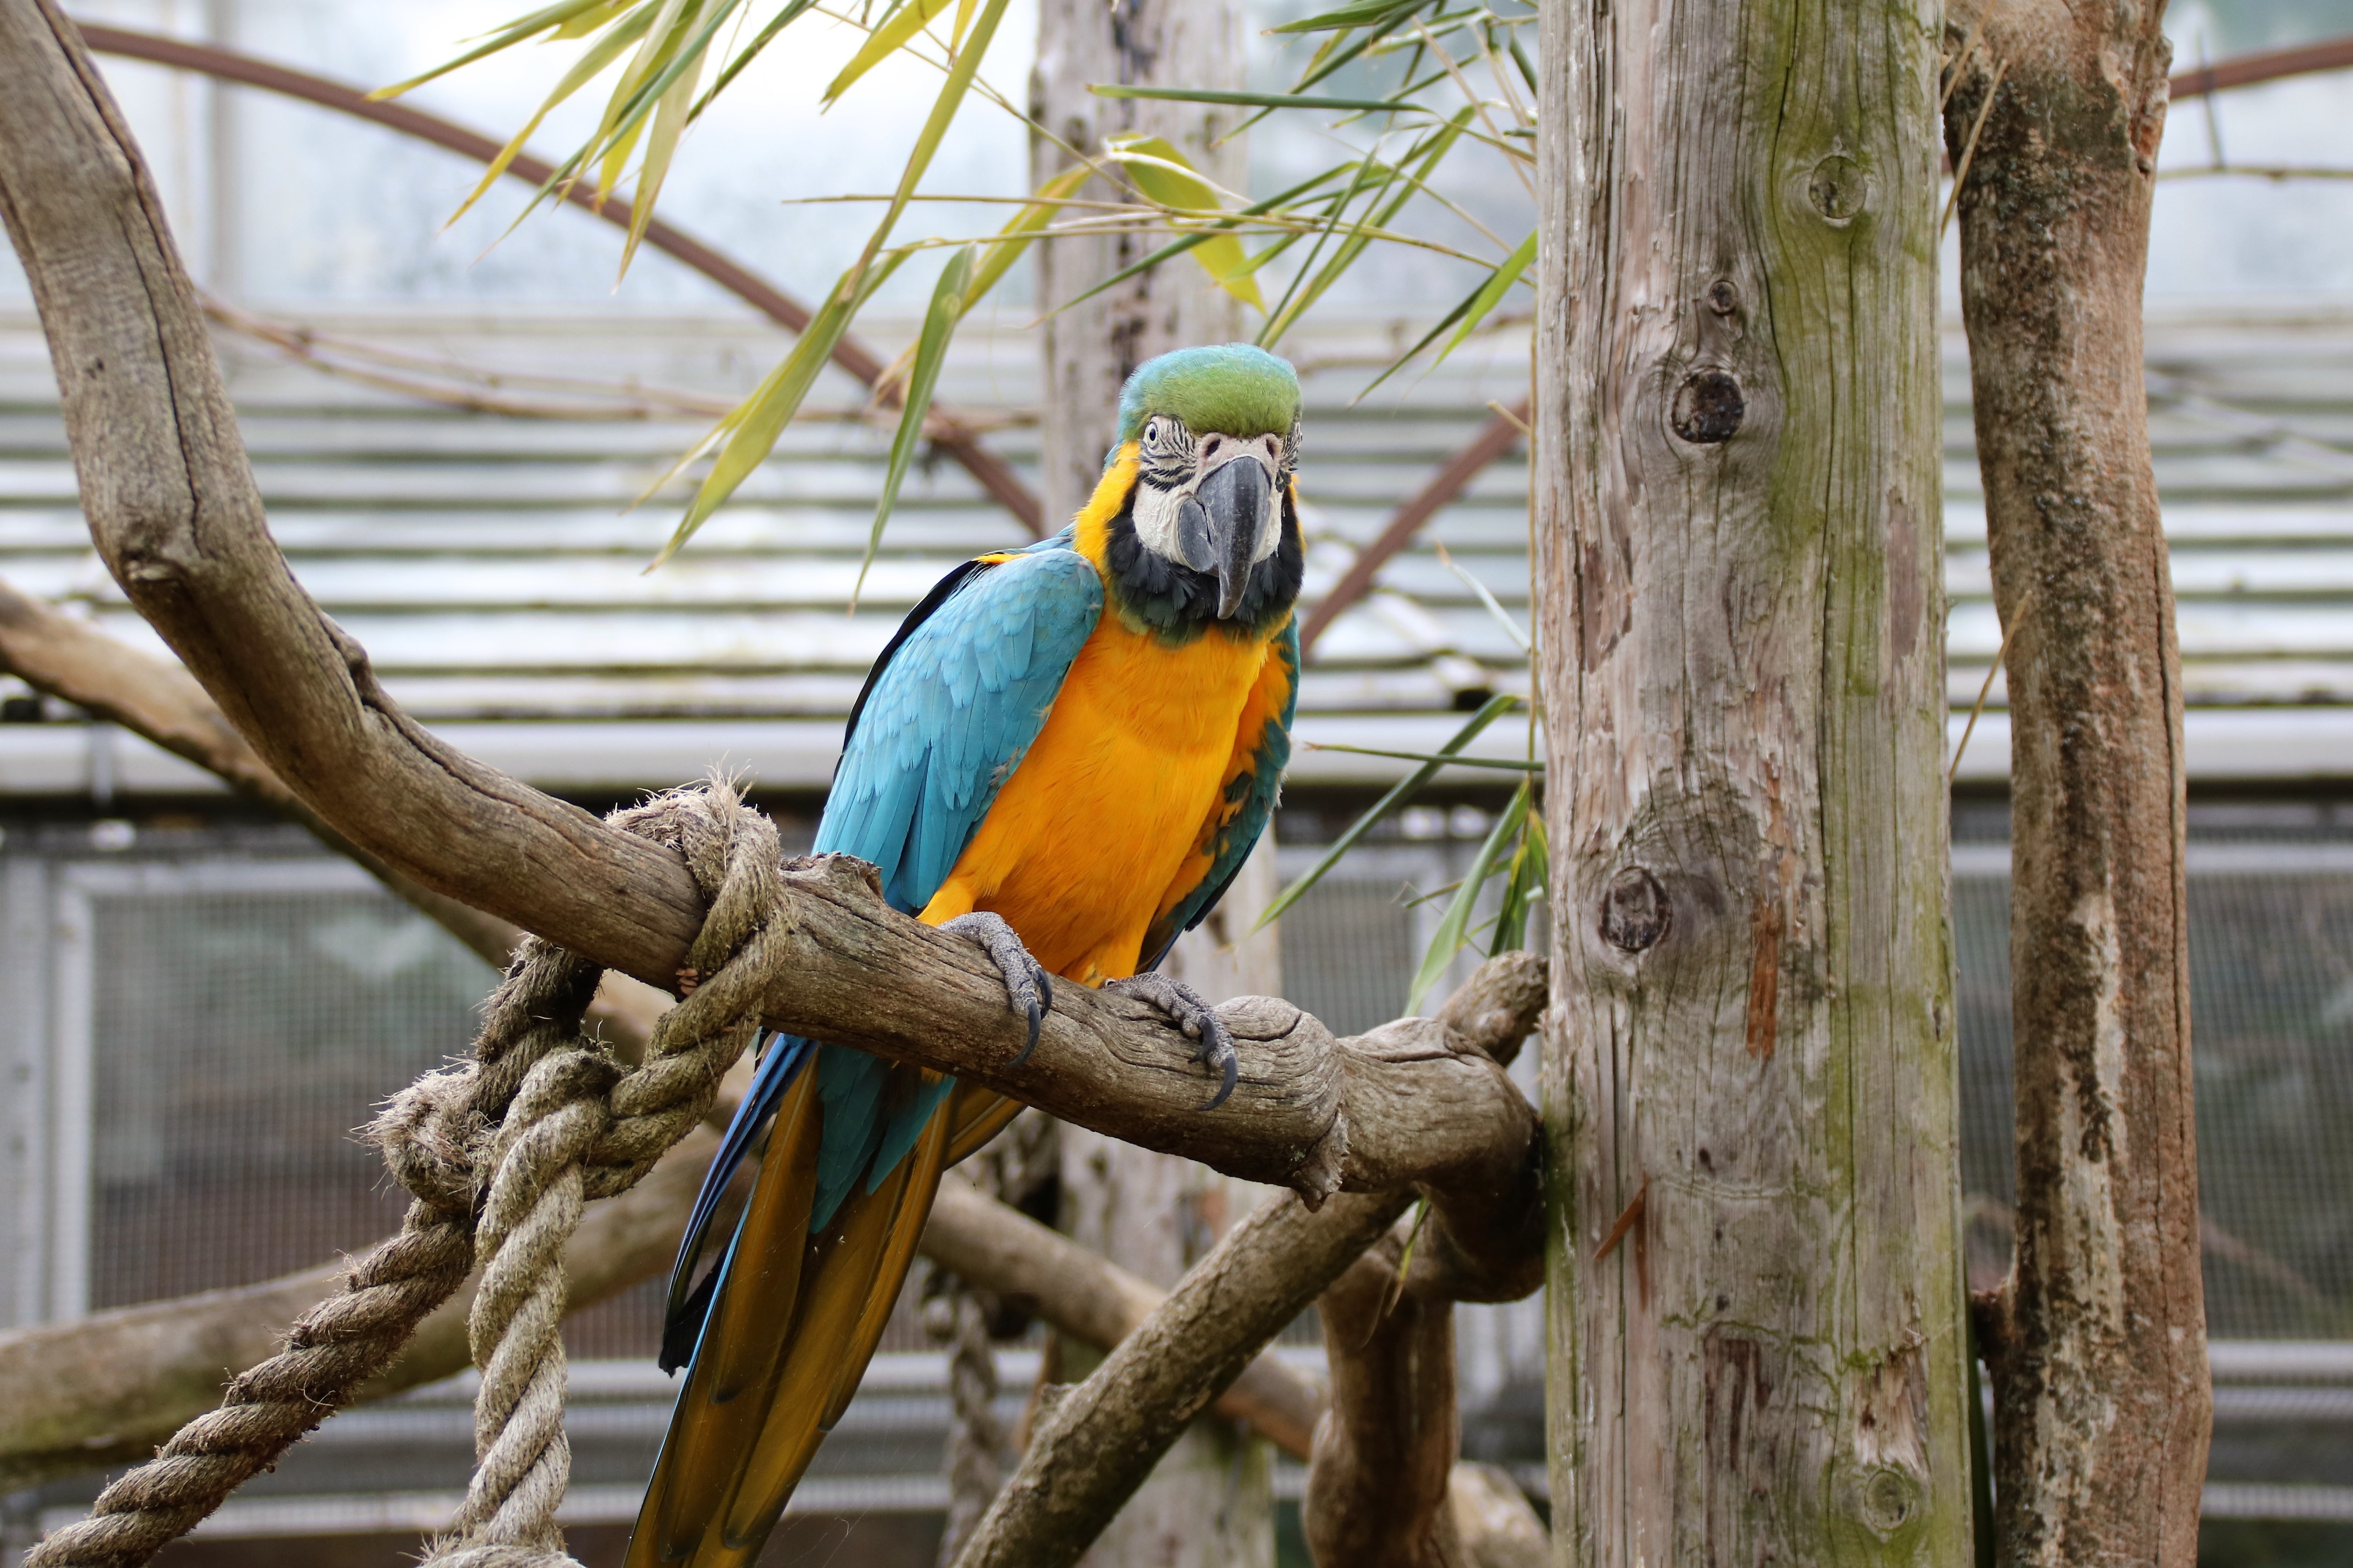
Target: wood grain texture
(1739, 579)
(1378, 1491)
(2096, 1342)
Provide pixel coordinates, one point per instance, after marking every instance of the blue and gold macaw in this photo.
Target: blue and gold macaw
(1067, 753)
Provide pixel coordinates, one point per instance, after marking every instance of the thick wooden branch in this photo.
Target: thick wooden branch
(75, 662)
(2096, 1342)
(172, 506)
(1098, 1443)
(998, 1248)
(1377, 1491)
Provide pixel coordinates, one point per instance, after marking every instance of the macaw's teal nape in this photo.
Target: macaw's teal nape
(1066, 753)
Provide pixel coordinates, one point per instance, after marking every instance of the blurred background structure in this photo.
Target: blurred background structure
(197, 1005)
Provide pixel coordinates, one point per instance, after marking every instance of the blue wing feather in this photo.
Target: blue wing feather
(952, 708)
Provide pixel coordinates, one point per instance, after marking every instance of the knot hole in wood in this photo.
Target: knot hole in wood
(1708, 407)
(1635, 910)
(1839, 189)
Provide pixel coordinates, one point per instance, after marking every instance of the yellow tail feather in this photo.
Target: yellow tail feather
(979, 1114)
(724, 1399)
(786, 1355)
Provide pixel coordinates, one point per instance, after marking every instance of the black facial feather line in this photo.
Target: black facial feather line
(1176, 604)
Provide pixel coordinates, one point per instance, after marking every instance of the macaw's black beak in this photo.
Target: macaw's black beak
(1220, 526)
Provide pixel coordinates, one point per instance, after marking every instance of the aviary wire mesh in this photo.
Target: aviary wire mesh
(240, 1038)
(239, 1041)
(2271, 997)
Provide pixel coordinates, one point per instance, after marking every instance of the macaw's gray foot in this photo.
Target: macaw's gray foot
(1196, 1018)
(1026, 983)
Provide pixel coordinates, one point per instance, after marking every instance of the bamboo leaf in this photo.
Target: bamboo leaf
(670, 120)
(513, 33)
(1015, 236)
(591, 64)
(1523, 889)
(1258, 100)
(965, 66)
(1427, 154)
(896, 31)
(1454, 931)
(750, 52)
(1162, 174)
(1382, 15)
(1508, 764)
(587, 22)
(949, 296)
(1495, 707)
(1184, 243)
(749, 432)
(1490, 293)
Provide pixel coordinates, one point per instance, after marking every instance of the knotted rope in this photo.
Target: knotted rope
(498, 1153)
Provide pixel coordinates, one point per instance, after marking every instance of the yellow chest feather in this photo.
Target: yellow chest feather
(1082, 844)
(1087, 841)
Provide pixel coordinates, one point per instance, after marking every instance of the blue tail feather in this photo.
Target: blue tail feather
(780, 1064)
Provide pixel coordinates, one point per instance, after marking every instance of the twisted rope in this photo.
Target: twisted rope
(499, 1153)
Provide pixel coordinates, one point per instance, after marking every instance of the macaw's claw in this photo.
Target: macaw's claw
(1196, 1018)
(1027, 984)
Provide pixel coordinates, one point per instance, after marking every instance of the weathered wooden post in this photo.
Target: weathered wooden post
(1756, 1292)
(2097, 1339)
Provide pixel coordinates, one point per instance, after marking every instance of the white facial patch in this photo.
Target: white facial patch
(1159, 505)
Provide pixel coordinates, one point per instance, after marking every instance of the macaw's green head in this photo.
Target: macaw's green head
(1217, 439)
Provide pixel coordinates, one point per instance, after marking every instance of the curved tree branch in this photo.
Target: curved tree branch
(942, 429)
(175, 513)
(76, 662)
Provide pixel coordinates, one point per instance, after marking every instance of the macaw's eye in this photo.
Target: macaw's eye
(1152, 435)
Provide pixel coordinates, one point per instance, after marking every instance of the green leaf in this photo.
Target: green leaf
(1453, 932)
(669, 120)
(1162, 174)
(750, 52)
(1015, 236)
(1424, 157)
(557, 16)
(1496, 707)
(1523, 889)
(591, 64)
(750, 431)
(965, 66)
(894, 34)
(1509, 764)
(1257, 100)
(1184, 243)
(1384, 15)
(1490, 293)
(949, 296)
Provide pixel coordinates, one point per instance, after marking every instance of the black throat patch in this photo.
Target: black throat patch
(1176, 604)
